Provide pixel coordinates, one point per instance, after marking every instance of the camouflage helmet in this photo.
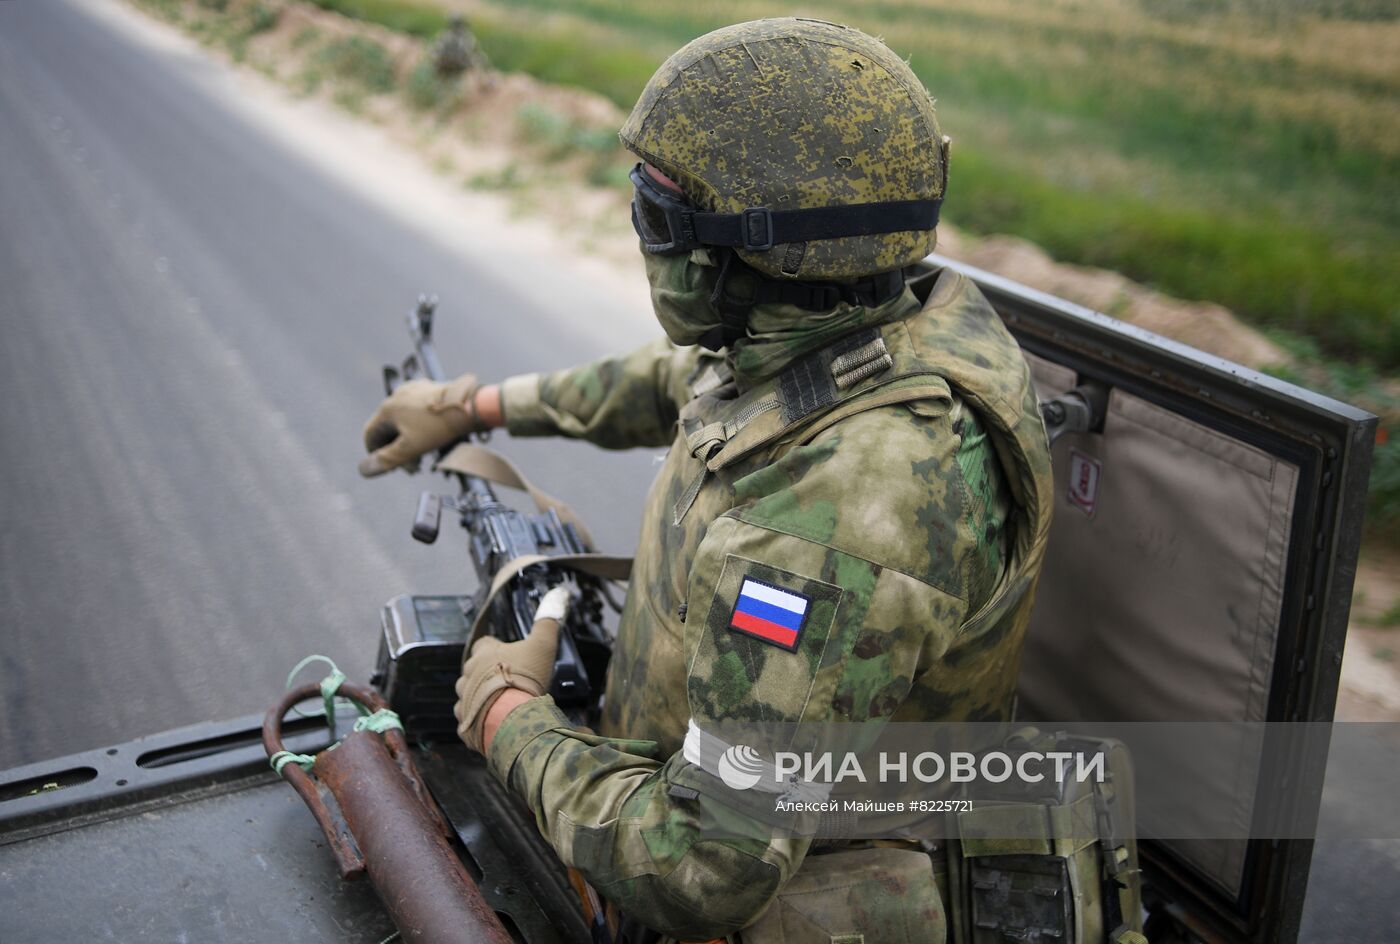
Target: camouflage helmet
(794, 113)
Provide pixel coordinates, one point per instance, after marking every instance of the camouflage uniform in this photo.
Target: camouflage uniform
(456, 50)
(892, 472)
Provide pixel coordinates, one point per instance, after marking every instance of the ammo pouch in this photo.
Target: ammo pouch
(856, 896)
(1050, 861)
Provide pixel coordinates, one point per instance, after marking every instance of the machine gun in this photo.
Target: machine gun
(365, 791)
(423, 637)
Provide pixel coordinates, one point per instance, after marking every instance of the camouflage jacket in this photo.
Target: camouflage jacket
(892, 487)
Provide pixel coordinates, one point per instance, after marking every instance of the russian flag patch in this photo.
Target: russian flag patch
(770, 613)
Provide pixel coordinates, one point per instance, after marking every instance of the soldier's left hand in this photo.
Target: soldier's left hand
(495, 667)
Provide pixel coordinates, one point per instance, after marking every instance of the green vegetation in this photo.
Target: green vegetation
(357, 67)
(1384, 499)
(1242, 151)
(218, 25)
(305, 37)
(428, 91)
(555, 51)
(360, 66)
(1274, 9)
(261, 18)
(561, 138)
(507, 178)
(1362, 384)
(424, 20)
(1388, 618)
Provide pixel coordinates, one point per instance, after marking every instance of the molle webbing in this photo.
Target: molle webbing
(810, 386)
(852, 366)
(819, 384)
(815, 381)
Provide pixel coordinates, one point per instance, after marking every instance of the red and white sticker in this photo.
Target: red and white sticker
(1085, 476)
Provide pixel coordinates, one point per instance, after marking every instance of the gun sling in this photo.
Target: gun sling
(467, 459)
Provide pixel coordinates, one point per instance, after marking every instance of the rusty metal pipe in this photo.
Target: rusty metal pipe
(419, 878)
(347, 854)
(383, 823)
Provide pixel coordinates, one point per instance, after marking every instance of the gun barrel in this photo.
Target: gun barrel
(420, 330)
(428, 360)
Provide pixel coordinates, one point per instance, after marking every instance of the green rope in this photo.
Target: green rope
(283, 758)
(329, 686)
(379, 722)
(376, 722)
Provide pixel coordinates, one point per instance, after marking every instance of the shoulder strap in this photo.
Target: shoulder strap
(858, 372)
(468, 459)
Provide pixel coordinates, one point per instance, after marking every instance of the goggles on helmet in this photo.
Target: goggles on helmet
(663, 219)
(669, 224)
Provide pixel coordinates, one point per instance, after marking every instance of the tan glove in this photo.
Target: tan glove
(494, 666)
(417, 418)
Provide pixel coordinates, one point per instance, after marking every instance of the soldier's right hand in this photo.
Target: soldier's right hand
(420, 416)
(495, 667)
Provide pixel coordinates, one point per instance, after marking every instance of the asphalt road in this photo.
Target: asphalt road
(193, 311)
(194, 316)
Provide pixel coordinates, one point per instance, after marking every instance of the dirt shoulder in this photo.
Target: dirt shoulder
(542, 162)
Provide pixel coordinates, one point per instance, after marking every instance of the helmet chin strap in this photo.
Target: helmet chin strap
(733, 308)
(739, 287)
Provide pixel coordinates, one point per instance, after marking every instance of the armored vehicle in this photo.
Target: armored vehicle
(1204, 543)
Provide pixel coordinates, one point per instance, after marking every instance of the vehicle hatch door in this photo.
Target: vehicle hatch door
(1200, 568)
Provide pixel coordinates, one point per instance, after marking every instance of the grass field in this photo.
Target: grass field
(1242, 151)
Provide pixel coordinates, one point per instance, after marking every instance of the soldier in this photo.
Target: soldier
(456, 50)
(851, 517)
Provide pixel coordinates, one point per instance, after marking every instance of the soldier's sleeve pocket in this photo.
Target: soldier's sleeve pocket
(761, 643)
